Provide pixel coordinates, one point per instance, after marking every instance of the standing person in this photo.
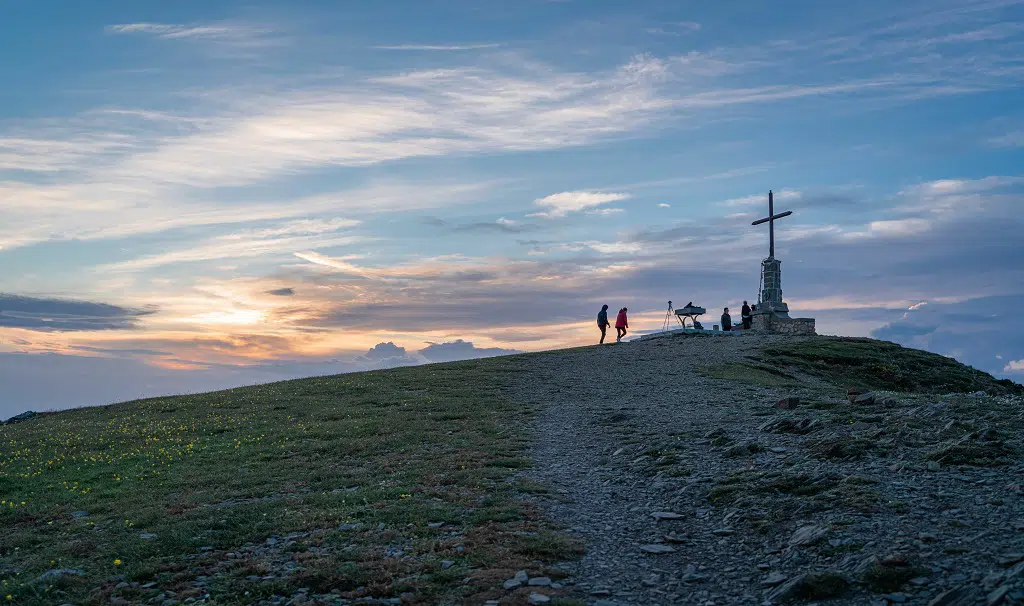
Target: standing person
(726, 320)
(602, 321)
(621, 324)
(746, 316)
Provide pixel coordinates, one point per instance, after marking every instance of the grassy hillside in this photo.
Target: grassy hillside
(872, 364)
(396, 484)
(384, 484)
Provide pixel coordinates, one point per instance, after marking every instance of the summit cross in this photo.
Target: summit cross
(770, 220)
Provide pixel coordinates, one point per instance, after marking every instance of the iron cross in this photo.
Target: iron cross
(770, 220)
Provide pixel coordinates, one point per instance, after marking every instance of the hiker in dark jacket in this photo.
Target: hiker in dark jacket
(746, 316)
(602, 321)
(726, 320)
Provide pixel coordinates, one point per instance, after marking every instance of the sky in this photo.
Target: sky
(196, 195)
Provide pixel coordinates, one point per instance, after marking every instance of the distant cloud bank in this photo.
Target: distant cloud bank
(104, 376)
(54, 315)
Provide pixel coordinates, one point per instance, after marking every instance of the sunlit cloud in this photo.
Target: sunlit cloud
(561, 204)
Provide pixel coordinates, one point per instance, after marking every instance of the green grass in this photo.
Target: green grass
(891, 575)
(752, 374)
(881, 365)
(386, 454)
(773, 497)
(822, 586)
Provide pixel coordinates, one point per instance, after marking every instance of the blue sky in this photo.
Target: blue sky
(201, 194)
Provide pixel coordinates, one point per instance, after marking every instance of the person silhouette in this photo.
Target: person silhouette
(621, 324)
(602, 321)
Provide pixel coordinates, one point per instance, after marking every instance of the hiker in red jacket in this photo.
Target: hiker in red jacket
(621, 324)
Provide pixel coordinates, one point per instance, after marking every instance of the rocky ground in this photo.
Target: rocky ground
(691, 489)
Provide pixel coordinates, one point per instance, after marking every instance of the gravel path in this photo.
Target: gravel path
(631, 430)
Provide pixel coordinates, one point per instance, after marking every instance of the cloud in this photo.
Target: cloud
(239, 141)
(561, 204)
(783, 195)
(60, 315)
(218, 31)
(97, 380)
(664, 205)
(890, 228)
(671, 234)
(279, 129)
(943, 188)
(1017, 366)
(436, 47)
(282, 292)
(387, 355)
(337, 263)
(977, 331)
(281, 240)
(460, 350)
(674, 28)
(613, 247)
(120, 352)
(894, 270)
(111, 374)
(502, 225)
(425, 113)
(44, 213)
(1011, 139)
(385, 350)
(35, 153)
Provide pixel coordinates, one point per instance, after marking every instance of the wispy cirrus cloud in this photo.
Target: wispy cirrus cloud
(264, 242)
(1010, 139)
(436, 47)
(761, 199)
(501, 106)
(41, 155)
(39, 213)
(674, 28)
(173, 31)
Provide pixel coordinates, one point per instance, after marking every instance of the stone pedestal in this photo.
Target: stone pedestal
(783, 325)
(772, 313)
(770, 297)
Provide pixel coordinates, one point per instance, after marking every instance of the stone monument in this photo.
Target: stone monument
(772, 313)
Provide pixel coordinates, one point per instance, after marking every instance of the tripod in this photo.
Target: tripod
(668, 317)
